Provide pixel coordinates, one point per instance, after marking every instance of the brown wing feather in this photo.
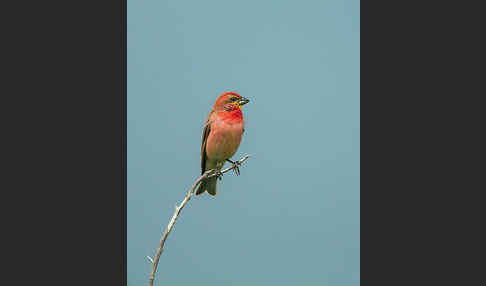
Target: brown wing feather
(207, 129)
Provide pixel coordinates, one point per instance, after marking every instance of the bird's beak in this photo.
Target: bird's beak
(243, 101)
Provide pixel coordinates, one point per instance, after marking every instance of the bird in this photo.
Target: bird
(221, 138)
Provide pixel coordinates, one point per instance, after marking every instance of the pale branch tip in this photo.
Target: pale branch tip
(178, 208)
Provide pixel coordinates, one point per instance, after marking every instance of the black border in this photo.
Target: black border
(420, 134)
(124, 142)
(64, 142)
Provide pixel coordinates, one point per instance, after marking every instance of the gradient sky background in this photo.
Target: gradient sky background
(292, 216)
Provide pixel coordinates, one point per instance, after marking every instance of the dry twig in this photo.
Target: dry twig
(207, 174)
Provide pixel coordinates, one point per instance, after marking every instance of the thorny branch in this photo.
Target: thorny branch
(207, 174)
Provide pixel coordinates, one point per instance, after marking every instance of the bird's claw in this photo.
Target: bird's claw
(217, 173)
(236, 167)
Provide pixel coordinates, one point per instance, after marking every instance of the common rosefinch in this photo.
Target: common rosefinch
(221, 137)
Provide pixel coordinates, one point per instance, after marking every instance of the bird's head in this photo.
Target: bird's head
(230, 101)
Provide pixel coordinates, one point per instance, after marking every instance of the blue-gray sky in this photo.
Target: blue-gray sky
(292, 216)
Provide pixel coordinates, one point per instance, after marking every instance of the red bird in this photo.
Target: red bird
(221, 137)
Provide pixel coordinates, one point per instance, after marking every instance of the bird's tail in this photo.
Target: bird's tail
(208, 185)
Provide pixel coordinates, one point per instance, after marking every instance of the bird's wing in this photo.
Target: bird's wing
(207, 129)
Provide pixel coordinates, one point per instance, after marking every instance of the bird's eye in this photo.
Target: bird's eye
(234, 98)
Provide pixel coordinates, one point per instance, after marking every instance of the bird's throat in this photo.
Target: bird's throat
(232, 116)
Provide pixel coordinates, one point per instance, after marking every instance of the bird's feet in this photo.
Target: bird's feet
(217, 173)
(236, 167)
